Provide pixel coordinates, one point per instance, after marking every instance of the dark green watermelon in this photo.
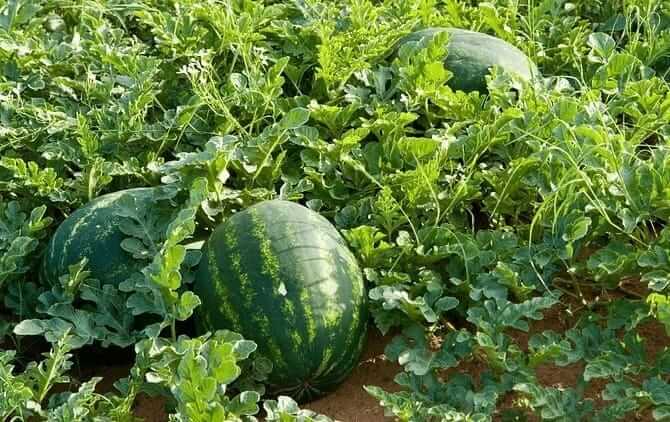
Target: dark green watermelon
(93, 232)
(473, 54)
(282, 276)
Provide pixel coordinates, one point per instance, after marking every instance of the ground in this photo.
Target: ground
(350, 402)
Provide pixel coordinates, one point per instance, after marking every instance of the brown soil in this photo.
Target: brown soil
(151, 409)
(351, 403)
(559, 319)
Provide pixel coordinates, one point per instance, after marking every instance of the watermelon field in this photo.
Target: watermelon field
(322, 210)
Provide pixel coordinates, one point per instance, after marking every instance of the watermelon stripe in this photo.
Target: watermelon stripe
(339, 369)
(333, 236)
(271, 269)
(324, 260)
(83, 217)
(221, 289)
(93, 232)
(358, 319)
(294, 315)
(308, 247)
(245, 267)
(323, 302)
(318, 282)
(345, 365)
(333, 316)
(310, 241)
(306, 302)
(311, 222)
(323, 226)
(298, 292)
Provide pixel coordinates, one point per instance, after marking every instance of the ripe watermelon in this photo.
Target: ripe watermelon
(472, 54)
(93, 232)
(282, 276)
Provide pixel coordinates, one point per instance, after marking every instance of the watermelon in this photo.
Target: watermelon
(93, 232)
(472, 54)
(282, 276)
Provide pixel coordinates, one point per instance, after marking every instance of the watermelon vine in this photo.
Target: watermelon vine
(482, 183)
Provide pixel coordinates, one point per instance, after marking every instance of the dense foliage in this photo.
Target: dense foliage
(471, 214)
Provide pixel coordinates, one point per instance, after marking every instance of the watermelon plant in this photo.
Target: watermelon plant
(496, 170)
(282, 276)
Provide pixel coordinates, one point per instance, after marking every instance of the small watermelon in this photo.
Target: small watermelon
(471, 55)
(282, 276)
(94, 232)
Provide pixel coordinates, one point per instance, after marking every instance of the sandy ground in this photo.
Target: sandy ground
(350, 402)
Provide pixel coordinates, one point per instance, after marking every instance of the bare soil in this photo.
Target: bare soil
(351, 403)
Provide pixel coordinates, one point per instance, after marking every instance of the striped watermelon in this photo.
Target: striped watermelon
(93, 232)
(471, 55)
(282, 276)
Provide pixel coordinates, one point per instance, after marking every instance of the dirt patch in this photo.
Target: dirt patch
(151, 409)
(655, 337)
(350, 402)
(510, 410)
(557, 318)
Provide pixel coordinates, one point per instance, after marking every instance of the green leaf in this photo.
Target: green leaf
(29, 327)
(578, 229)
(188, 301)
(245, 403)
(657, 281)
(660, 306)
(295, 118)
(602, 46)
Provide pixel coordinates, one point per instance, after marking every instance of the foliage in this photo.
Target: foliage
(197, 373)
(472, 214)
